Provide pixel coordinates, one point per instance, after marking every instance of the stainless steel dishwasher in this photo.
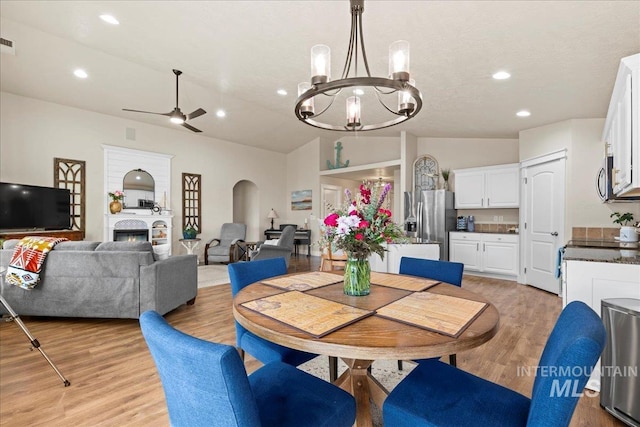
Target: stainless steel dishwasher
(620, 387)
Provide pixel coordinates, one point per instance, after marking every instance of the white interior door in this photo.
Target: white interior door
(331, 199)
(544, 222)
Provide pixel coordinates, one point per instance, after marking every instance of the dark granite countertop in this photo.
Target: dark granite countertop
(413, 241)
(630, 255)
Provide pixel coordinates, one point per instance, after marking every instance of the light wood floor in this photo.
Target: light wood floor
(114, 381)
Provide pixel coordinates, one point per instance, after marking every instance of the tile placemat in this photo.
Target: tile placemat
(313, 315)
(439, 313)
(304, 282)
(407, 283)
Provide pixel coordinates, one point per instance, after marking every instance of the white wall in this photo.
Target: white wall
(364, 150)
(585, 207)
(460, 153)
(33, 132)
(545, 139)
(302, 175)
(582, 138)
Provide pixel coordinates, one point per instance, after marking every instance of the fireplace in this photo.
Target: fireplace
(129, 235)
(125, 227)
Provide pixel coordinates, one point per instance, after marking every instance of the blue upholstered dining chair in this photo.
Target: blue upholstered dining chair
(438, 394)
(205, 384)
(444, 271)
(243, 274)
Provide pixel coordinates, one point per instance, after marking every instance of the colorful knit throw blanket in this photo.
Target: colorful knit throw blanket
(27, 260)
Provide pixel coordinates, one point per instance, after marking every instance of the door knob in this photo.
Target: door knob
(555, 233)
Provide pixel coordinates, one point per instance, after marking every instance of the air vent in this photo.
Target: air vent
(7, 46)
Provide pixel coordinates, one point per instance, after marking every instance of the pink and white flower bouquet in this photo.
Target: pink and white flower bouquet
(116, 196)
(363, 225)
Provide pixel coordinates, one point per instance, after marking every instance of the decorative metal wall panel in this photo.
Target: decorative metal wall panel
(426, 173)
(70, 174)
(191, 199)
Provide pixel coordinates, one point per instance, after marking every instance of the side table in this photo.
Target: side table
(189, 244)
(244, 250)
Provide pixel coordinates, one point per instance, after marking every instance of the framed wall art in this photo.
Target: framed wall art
(301, 200)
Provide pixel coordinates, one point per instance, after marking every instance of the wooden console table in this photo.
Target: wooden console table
(302, 237)
(68, 234)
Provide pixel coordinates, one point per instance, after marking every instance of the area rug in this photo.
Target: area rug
(212, 275)
(385, 371)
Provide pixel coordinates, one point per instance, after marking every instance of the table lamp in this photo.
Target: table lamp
(272, 215)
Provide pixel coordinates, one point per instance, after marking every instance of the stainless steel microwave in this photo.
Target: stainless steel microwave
(604, 183)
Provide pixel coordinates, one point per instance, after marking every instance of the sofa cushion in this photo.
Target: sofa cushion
(10, 244)
(125, 246)
(145, 247)
(69, 245)
(73, 245)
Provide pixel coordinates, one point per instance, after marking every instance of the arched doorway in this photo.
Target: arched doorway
(246, 208)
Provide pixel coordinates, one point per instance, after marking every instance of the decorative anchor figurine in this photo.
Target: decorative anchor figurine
(338, 165)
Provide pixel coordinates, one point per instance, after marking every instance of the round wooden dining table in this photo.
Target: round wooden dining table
(372, 337)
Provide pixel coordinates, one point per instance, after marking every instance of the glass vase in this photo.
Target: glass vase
(357, 277)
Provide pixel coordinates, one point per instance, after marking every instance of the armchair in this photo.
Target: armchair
(221, 249)
(283, 248)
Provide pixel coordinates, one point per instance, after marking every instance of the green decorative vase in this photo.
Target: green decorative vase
(357, 277)
(189, 233)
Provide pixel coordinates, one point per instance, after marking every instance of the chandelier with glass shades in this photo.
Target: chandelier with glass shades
(388, 100)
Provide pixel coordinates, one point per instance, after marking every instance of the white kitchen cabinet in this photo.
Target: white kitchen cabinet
(391, 262)
(591, 282)
(622, 126)
(494, 254)
(488, 187)
(465, 248)
(500, 254)
(469, 189)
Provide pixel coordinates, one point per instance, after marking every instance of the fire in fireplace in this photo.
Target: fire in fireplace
(141, 235)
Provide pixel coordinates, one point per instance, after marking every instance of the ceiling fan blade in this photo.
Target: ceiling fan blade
(191, 127)
(196, 113)
(148, 112)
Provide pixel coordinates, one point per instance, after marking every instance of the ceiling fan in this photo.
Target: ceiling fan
(176, 116)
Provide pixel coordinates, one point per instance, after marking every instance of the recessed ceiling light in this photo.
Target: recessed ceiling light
(523, 113)
(109, 19)
(80, 73)
(501, 75)
(282, 92)
(221, 113)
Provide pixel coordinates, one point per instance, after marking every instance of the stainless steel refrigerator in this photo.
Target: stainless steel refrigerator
(429, 217)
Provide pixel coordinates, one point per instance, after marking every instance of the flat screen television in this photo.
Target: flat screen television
(28, 207)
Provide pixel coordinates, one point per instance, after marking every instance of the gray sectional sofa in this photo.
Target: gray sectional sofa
(105, 280)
